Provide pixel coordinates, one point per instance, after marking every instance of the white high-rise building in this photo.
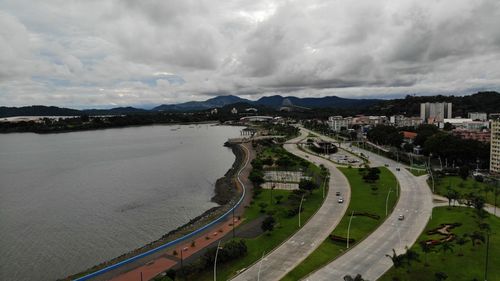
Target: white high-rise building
(435, 112)
(495, 144)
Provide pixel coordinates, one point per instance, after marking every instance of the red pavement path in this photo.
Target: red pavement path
(162, 264)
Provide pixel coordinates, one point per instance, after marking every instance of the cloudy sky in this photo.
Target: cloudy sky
(95, 53)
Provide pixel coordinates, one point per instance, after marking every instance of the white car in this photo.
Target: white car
(340, 200)
(401, 217)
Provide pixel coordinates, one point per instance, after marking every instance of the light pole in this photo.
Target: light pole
(397, 189)
(260, 266)
(272, 187)
(182, 265)
(215, 261)
(324, 183)
(349, 228)
(387, 201)
(233, 222)
(300, 207)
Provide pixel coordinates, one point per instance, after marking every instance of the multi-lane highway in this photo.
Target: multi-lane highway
(368, 257)
(279, 262)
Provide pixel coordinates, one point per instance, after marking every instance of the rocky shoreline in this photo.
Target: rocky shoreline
(226, 196)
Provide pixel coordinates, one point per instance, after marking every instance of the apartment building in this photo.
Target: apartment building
(495, 144)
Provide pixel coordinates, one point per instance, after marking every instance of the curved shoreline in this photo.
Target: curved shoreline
(222, 185)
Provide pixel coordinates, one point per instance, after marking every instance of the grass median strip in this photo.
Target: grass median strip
(417, 172)
(368, 201)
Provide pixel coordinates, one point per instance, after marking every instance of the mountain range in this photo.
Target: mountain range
(273, 102)
(482, 101)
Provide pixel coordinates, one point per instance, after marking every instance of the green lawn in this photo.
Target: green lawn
(361, 226)
(417, 172)
(466, 262)
(467, 186)
(265, 243)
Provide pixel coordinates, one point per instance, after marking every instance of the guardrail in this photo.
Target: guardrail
(178, 240)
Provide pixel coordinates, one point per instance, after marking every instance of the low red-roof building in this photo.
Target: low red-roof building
(409, 136)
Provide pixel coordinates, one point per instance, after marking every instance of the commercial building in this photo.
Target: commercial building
(435, 112)
(478, 116)
(495, 144)
(403, 121)
(482, 136)
(338, 123)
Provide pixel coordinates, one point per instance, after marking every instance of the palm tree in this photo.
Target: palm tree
(477, 236)
(410, 256)
(440, 276)
(452, 195)
(446, 246)
(426, 248)
(397, 260)
(461, 241)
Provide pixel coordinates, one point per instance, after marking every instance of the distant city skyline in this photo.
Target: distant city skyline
(85, 54)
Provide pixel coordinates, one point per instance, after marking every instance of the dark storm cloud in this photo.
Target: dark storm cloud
(136, 52)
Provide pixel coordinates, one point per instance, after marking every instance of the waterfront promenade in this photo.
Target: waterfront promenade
(151, 265)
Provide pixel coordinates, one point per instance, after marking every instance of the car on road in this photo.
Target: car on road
(387, 165)
(337, 193)
(398, 169)
(340, 200)
(401, 217)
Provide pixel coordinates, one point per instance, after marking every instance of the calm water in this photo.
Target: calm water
(69, 201)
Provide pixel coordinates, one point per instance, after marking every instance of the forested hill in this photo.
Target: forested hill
(38, 110)
(488, 102)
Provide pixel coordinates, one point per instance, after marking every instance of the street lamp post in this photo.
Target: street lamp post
(324, 183)
(182, 265)
(272, 187)
(260, 266)
(349, 228)
(397, 189)
(233, 222)
(215, 261)
(300, 207)
(387, 201)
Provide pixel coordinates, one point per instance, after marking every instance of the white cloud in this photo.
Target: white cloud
(125, 52)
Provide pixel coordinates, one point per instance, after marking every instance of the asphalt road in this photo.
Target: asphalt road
(283, 259)
(368, 257)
